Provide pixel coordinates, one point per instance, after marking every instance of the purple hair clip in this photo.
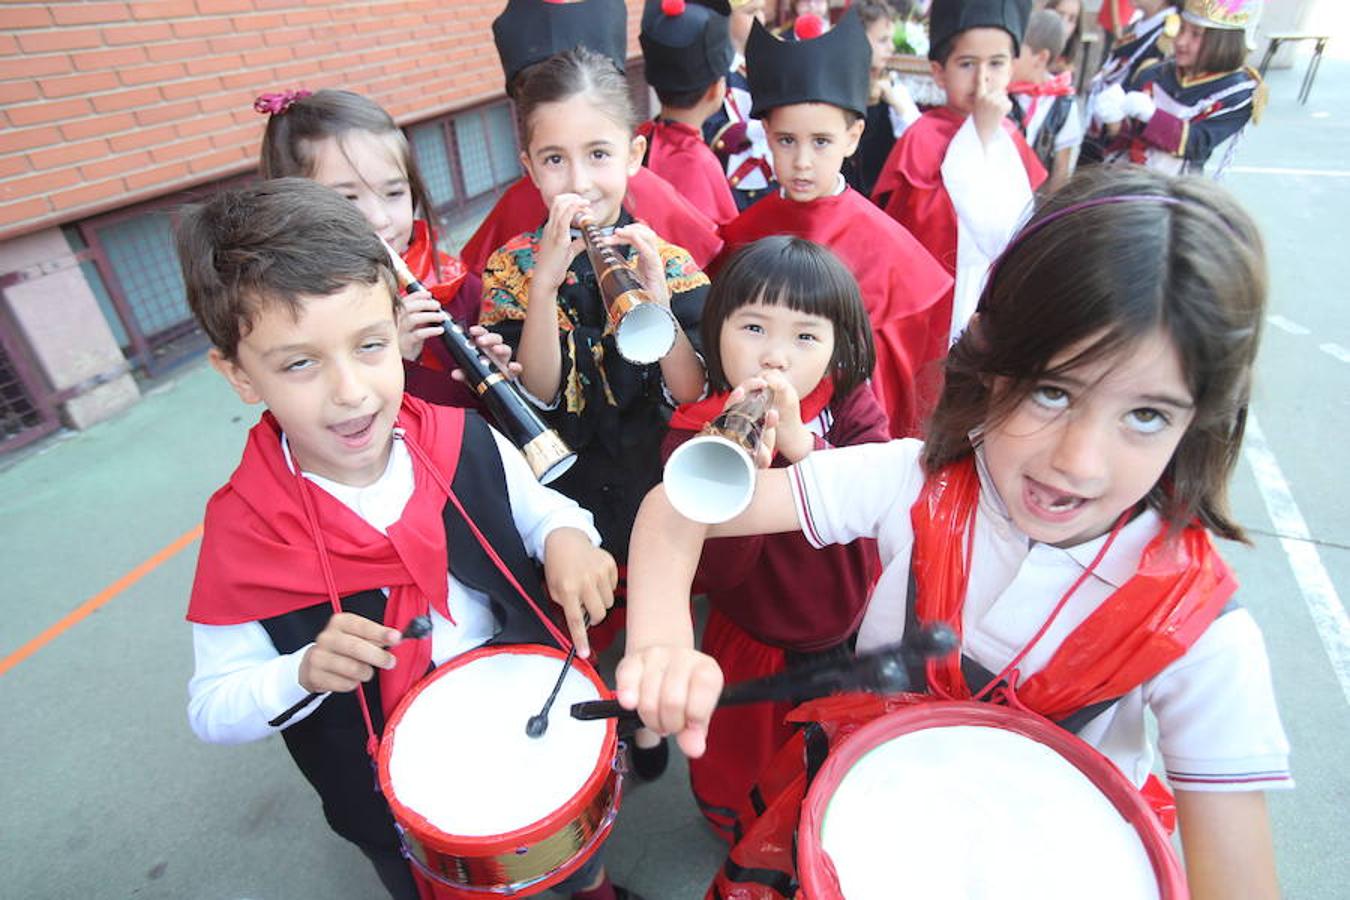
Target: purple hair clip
(275, 103)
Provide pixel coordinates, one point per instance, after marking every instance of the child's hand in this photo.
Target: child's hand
(674, 690)
(557, 249)
(581, 579)
(991, 106)
(496, 348)
(651, 270)
(346, 653)
(791, 437)
(420, 317)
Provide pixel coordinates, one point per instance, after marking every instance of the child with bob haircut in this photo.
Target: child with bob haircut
(354, 509)
(1175, 115)
(961, 178)
(1059, 515)
(811, 95)
(784, 312)
(349, 143)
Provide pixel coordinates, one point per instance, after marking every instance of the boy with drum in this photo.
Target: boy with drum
(354, 509)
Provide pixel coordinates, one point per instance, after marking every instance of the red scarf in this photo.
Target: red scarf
(1060, 85)
(261, 553)
(1150, 621)
(693, 416)
(440, 272)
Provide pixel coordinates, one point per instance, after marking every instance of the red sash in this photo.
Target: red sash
(1179, 588)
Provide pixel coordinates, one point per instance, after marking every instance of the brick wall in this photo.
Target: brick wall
(106, 104)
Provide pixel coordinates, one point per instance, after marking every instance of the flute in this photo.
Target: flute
(547, 454)
(710, 478)
(643, 331)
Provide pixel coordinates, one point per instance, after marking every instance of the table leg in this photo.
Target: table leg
(1271, 47)
(1313, 65)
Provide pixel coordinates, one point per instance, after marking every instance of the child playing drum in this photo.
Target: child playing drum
(1059, 515)
(355, 508)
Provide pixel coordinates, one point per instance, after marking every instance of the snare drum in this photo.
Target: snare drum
(971, 800)
(482, 807)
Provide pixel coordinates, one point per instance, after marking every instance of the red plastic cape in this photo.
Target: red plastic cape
(259, 556)
(899, 280)
(678, 154)
(650, 199)
(1150, 621)
(693, 416)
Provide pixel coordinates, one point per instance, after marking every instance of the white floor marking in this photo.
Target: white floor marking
(1335, 350)
(1288, 325)
(1281, 170)
(1324, 604)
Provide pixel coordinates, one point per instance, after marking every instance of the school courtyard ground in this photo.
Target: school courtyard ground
(106, 793)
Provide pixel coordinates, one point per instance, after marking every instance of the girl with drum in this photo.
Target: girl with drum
(1059, 516)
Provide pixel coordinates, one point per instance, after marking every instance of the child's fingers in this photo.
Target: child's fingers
(576, 627)
(628, 681)
(705, 686)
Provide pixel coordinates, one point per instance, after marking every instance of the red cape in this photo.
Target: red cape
(678, 154)
(910, 189)
(898, 278)
(650, 199)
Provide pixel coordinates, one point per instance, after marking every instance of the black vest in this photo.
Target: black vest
(329, 745)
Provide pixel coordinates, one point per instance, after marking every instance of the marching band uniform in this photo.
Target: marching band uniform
(739, 141)
(898, 278)
(686, 51)
(774, 601)
(961, 199)
(1146, 41)
(397, 549)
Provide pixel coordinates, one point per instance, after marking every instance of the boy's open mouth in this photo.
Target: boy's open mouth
(354, 432)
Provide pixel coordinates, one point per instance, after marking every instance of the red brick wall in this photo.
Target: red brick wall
(107, 103)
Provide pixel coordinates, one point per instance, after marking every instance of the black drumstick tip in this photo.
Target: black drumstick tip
(418, 627)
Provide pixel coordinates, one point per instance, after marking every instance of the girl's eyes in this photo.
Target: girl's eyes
(786, 141)
(823, 142)
(373, 345)
(808, 337)
(753, 328)
(1147, 420)
(599, 154)
(553, 159)
(1050, 397)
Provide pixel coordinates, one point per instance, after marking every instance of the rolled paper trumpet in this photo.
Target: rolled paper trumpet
(547, 454)
(643, 331)
(710, 478)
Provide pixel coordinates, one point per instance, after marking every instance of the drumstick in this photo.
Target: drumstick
(882, 671)
(418, 627)
(538, 723)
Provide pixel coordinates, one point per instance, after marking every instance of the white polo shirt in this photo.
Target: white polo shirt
(1218, 727)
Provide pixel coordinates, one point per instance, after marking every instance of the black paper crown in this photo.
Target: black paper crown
(686, 46)
(833, 68)
(530, 31)
(948, 18)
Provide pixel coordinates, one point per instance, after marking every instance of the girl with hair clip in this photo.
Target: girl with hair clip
(542, 295)
(1059, 516)
(1174, 115)
(1070, 12)
(350, 144)
(784, 313)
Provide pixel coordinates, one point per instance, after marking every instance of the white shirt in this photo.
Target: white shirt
(241, 682)
(991, 195)
(1070, 133)
(1218, 728)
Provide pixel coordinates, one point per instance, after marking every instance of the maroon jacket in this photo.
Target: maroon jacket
(778, 587)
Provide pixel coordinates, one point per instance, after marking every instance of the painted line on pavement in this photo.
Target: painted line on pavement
(1324, 604)
(1335, 350)
(84, 609)
(1281, 170)
(1287, 325)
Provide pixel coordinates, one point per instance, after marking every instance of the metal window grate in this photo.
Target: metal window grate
(141, 252)
(433, 162)
(474, 161)
(18, 413)
(501, 126)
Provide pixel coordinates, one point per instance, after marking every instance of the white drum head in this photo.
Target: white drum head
(461, 758)
(978, 813)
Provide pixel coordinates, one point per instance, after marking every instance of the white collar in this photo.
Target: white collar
(839, 187)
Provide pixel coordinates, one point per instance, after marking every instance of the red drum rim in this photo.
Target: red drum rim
(505, 842)
(815, 870)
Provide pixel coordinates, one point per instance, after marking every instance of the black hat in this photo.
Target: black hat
(686, 45)
(833, 68)
(948, 18)
(530, 31)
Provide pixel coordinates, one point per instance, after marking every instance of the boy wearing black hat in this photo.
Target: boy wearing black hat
(811, 96)
(688, 52)
(961, 178)
(529, 32)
